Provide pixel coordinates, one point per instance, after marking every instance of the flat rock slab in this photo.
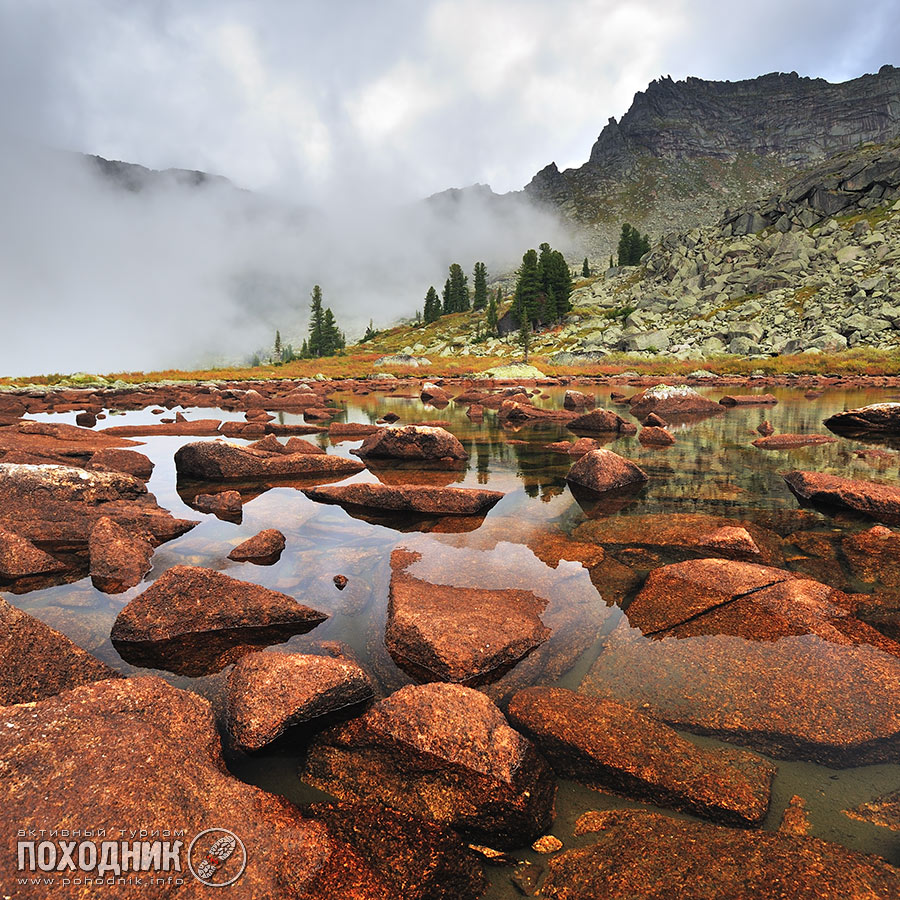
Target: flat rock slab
(613, 747)
(195, 621)
(654, 857)
(270, 692)
(437, 632)
(263, 549)
(883, 418)
(883, 811)
(871, 498)
(37, 662)
(184, 428)
(748, 400)
(138, 750)
(58, 506)
(599, 471)
(411, 442)
(799, 697)
(790, 441)
(443, 752)
(221, 461)
(409, 498)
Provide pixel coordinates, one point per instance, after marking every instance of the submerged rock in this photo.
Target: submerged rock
(37, 662)
(602, 470)
(221, 461)
(748, 400)
(647, 855)
(459, 634)
(789, 441)
(226, 505)
(411, 442)
(410, 498)
(270, 692)
(195, 621)
(616, 748)
(444, 752)
(883, 811)
(878, 501)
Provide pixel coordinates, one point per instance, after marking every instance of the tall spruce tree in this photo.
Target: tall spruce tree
(632, 246)
(529, 287)
(277, 347)
(445, 297)
(316, 323)
(559, 282)
(479, 281)
(432, 311)
(585, 269)
(459, 289)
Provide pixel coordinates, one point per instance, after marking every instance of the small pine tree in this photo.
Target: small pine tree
(585, 269)
(432, 311)
(446, 302)
(304, 350)
(459, 289)
(370, 332)
(491, 317)
(479, 298)
(277, 348)
(316, 323)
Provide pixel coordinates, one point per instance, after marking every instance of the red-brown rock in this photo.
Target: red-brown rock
(195, 621)
(601, 470)
(444, 752)
(128, 461)
(19, 558)
(748, 400)
(264, 548)
(878, 501)
(647, 855)
(467, 635)
(37, 662)
(672, 402)
(883, 811)
(221, 461)
(883, 418)
(789, 441)
(577, 400)
(408, 498)
(654, 421)
(616, 748)
(119, 558)
(655, 436)
(225, 505)
(874, 555)
(598, 421)
(411, 442)
(270, 692)
(765, 428)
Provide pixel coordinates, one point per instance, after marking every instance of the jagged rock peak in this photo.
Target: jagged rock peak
(795, 119)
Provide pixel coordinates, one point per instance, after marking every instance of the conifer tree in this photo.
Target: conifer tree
(479, 298)
(432, 311)
(491, 317)
(316, 323)
(277, 345)
(528, 290)
(459, 289)
(585, 269)
(445, 297)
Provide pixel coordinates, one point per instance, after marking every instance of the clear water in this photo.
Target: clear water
(712, 469)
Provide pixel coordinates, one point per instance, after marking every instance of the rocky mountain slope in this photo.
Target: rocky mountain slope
(687, 148)
(813, 267)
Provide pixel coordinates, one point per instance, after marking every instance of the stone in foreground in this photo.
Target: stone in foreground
(36, 661)
(602, 470)
(444, 752)
(194, 621)
(613, 747)
(799, 697)
(646, 855)
(19, 558)
(878, 501)
(119, 558)
(140, 751)
(408, 498)
(222, 461)
(437, 632)
(270, 692)
(411, 442)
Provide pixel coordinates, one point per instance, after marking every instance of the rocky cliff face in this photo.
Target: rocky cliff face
(685, 149)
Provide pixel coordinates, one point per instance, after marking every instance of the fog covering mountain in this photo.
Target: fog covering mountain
(112, 267)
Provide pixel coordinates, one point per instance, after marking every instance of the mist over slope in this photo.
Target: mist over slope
(109, 266)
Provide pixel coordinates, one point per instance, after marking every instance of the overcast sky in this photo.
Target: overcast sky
(405, 97)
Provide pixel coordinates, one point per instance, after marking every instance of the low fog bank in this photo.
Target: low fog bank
(98, 277)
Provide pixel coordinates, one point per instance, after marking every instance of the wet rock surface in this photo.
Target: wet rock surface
(263, 549)
(225, 505)
(799, 697)
(642, 854)
(599, 420)
(119, 559)
(408, 498)
(789, 441)
(600, 471)
(883, 811)
(195, 621)
(877, 417)
(620, 749)
(19, 558)
(871, 498)
(411, 442)
(444, 752)
(671, 402)
(443, 633)
(221, 461)
(269, 692)
(37, 662)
